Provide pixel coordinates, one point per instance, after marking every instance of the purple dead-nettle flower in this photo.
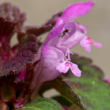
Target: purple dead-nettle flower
(65, 65)
(55, 58)
(107, 79)
(67, 34)
(60, 35)
(23, 69)
(73, 11)
(55, 52)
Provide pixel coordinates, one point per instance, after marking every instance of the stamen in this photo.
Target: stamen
(67, 35)
(65, 32)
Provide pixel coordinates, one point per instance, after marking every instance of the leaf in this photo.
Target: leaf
(90, 73)
(67, 92)
(62, 101)
(12, 14)
(83, 61)
(92, 90)
(38, 30)
(43, 104)
(6, 30)
(23, 57)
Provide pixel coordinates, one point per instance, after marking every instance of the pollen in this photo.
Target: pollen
(67, 35)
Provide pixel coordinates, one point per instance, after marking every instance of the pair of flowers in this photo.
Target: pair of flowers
(55, 52)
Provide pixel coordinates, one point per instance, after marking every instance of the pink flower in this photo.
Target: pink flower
(87, 41)
(108, 80)
(54, 54)
(73, 11)
(69, 34)
(61, 36)
(57, 62)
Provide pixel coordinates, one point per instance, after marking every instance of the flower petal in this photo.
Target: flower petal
(50, 58)
(45, 70)
(86, 44)
(75, 70)
(60, 34)
(77, 10)
(99, 45)
(75, 38)
(63, 67)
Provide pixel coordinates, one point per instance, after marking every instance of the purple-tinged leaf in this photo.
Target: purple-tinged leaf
(38, 30)
(12, 14)
(6, 30)
(23, 57)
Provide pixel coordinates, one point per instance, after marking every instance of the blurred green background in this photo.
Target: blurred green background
(98, 21)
